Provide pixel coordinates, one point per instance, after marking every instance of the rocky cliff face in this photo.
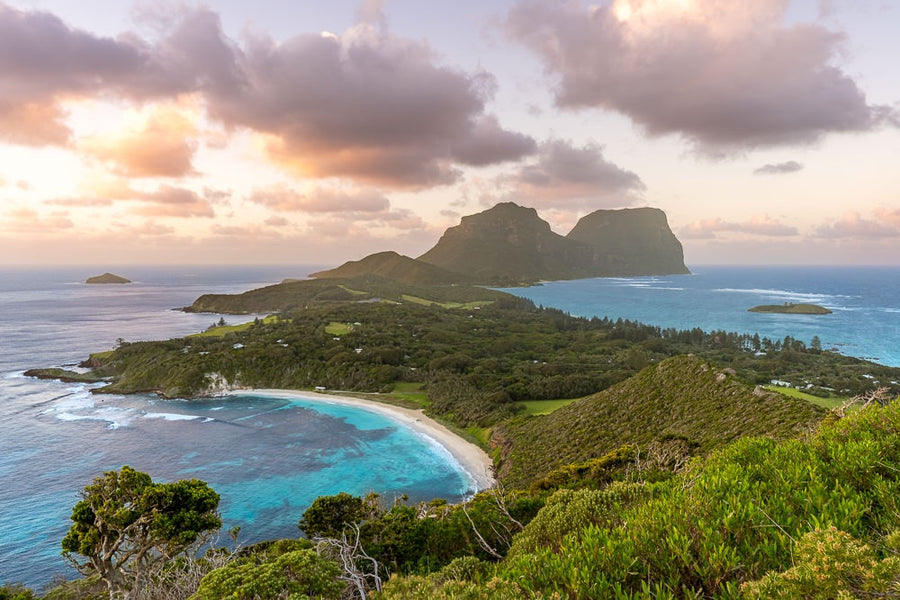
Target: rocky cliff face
(511, 244)
(628, 242)
(507, 243)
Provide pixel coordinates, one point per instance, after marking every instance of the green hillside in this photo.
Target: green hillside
(809, 518)
(295, 295)
(397, 267)
(682, 398)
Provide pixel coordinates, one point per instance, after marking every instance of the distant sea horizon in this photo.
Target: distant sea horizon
(268, 458)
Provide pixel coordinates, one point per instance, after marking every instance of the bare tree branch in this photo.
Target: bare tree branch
(349, 555)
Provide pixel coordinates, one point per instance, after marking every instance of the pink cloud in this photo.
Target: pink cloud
(889, 216)
(757, 226)
(853, 226)
(149, 229)
(338, 210)
(569, 177)
(277, 222)
(164, 201)
(33, 124)
(321, 199)
(80, 202)
(163, 147)
(22, 220)
(251, 231)
(366, 104)
(724, 75)
(169, 201)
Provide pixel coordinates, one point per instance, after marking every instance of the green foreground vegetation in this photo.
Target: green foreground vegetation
(817, 516)
(633, 461)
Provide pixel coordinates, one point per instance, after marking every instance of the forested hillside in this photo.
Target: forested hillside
(682, 403)
(476, 350)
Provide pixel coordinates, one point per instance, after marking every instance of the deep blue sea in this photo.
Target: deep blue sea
(268, 458)
(865, 302)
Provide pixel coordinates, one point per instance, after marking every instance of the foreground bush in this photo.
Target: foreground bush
(294, 575)
(832, 564)
(733, 517)
(758, 519)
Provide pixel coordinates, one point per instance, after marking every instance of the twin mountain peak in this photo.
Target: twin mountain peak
(510, 244)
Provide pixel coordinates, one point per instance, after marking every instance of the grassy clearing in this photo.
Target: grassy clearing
(544, 407)
(335, 328)
(828, 403)
(221, 331)
(352, 291)
(410, 392)
(426, 302)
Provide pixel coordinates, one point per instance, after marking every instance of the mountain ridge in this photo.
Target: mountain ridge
(509, 244)
(394, 266)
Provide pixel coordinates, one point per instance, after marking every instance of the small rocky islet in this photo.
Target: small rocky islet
(789, 308)
(107, 278)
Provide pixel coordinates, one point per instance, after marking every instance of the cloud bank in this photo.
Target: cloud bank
(758, 226)
(563, 175)
(727, 76)
(365, 105)
(853, 226)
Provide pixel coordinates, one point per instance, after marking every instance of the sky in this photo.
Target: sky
(310, 132)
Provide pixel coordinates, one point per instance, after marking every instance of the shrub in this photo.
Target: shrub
(568, 512)
(297, 574)
(729, 519)
(16, 592)
(829, 563)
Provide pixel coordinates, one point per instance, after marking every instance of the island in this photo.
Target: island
(107, 278)
(789, 308)
(598, 433)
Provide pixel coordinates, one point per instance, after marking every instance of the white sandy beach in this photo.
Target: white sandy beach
(473, 459)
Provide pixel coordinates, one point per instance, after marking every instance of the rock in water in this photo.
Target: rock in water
(107, 278)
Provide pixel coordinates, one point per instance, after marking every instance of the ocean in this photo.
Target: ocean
(268, 457)
(865, 301)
